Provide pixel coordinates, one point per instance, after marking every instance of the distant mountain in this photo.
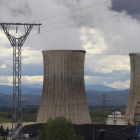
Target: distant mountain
(88, 87)
(100, 88)
(32, 96)
(117, 98)
(6, 100)
(34, 86)
(37, 89)
(25, 90)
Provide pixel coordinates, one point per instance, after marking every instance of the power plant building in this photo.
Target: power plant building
(63, 92)
(133, 110)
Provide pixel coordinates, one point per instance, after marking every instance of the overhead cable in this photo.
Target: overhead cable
(83, 23)
(117, 7)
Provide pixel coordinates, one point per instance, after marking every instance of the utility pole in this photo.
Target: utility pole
(104, 102)
(17, 44)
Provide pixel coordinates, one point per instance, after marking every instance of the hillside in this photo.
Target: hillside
(100, 88)
(37, 89)
(94, 97)
(114, 97)
(27, 99)
(25, 90)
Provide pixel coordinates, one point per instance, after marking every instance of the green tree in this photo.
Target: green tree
(59, 129)
(7, 131)
(1, 130)
(9, 115)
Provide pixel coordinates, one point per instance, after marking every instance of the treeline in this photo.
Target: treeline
(4, 132)
(29, 109)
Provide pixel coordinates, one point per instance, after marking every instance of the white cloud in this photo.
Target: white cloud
(6, 51)
(28, 52)
(8, 80)
(117, 35)
(92, 80)
(32, 79)
(32, 60)
(29, 55)
(3, 66)
(107, 63)
(119, 84)
(121, 34)
(93, 42)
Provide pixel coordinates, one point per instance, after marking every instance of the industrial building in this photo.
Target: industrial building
(63, 92)
(133, 107)
(116, 118)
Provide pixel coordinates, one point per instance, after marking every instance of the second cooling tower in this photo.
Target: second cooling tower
(134, 95)
(64, 89)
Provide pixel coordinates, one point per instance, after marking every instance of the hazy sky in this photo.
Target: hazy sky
(111, 32)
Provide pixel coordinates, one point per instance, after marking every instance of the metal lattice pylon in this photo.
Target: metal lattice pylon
(17, 43)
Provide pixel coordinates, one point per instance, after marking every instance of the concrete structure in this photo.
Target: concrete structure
(137, 113)
(116, 119)
(134, 95)
(64, 90)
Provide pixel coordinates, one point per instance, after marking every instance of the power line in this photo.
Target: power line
(82, 23)
(73, 11)
(82, 16)
(90, 14)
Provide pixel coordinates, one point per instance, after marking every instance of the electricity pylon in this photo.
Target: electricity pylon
(17, 44)
(104, 102)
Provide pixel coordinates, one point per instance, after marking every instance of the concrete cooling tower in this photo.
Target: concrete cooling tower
(134, 95)
(64, 90)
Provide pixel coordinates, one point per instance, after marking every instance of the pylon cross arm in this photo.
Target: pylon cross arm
(13, 40)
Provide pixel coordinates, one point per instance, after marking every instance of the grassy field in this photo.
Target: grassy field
(30, 113)
(6, 117)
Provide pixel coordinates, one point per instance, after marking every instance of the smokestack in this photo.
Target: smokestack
(64, 89)
(134, 95)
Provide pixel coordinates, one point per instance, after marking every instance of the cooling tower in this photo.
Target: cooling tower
(134, 95)
(64, 89)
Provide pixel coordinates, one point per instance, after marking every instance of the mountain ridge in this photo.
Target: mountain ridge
(94, 97)
(37, 89)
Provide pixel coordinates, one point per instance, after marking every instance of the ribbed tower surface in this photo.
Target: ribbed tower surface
(134, 95)
(64, 89)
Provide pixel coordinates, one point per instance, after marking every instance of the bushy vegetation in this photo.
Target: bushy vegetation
(59, 129)
(29, 117)
(4, 132)
(28, 109)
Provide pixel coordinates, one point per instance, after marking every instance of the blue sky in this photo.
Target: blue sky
(110, 40)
